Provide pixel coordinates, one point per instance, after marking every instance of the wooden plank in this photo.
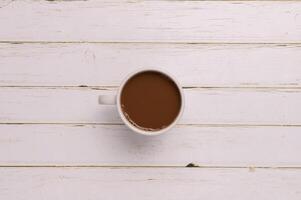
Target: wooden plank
(107, 64)
(203, 106)
(149, 183)
(115, 145)
(152, 21)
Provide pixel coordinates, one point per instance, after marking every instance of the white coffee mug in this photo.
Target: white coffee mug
(115, 100)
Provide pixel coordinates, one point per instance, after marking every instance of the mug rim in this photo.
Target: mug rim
(129, 124)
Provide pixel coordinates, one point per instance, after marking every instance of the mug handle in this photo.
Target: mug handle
(107, 99)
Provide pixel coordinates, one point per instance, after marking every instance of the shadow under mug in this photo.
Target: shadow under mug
(115, 100)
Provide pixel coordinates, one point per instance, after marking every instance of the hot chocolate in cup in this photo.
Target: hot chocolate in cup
(149, 101)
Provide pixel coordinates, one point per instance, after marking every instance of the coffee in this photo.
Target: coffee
(150, 100)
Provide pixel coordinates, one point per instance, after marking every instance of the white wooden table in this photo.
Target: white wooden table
(240, 65)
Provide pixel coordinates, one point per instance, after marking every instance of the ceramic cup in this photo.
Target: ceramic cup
(115, 100)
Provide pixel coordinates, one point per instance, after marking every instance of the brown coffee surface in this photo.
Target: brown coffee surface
(150, 100)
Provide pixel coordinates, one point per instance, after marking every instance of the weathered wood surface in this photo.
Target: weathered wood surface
(239, 62)
(152, 21)
(149, 183)
(116, 145)
(203, 106)
(198, 65)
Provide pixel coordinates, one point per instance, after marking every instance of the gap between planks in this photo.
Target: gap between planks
(288, 43)
(134, 1)
(178, 125)
(194, 166)
(114, 87)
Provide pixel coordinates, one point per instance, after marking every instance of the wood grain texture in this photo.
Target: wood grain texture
(116, 145)
(195, 65)
(152, 183)
(152, 21)
(49, 48)
(203, 106)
